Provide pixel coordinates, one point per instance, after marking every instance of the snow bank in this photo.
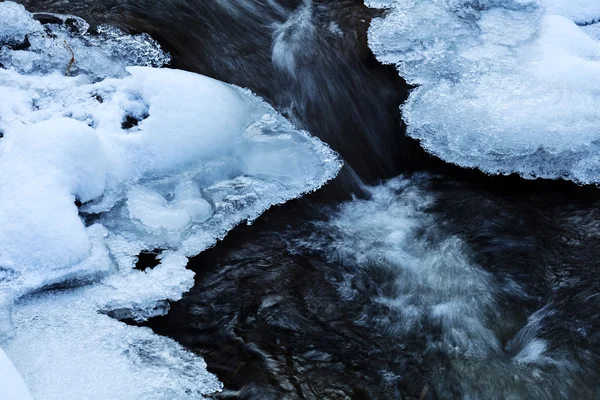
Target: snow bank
(504, 85)
(101, 160)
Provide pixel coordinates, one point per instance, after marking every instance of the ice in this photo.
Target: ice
(379, 3)
(66, 347)
(592, 30)
(104, 158)
(579, 11)
(504, 86)
(16, 23)
(51, 47)
(153, 210)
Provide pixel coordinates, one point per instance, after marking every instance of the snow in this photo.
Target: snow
(65, 348)
(580, 11)
(503, 86)
(157, 159)
(11, 384)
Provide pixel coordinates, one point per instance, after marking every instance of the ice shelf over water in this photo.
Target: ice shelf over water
(103, 156)
(502, 85)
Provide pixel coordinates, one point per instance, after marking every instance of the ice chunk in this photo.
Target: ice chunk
(379, 3)
(504, 86)
(102, 161)
(16, 23)
(152, 210)
(189, 198)
(61, 144)
(57, 47)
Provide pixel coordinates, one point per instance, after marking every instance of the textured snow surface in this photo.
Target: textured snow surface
(11, 384)
(65, 348)
(503, 85)
(155, 159)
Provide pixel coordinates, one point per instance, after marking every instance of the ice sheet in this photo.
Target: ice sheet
(504, 86)
(65, 348)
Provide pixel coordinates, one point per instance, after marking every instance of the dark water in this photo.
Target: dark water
(280, 310)
(440, 283)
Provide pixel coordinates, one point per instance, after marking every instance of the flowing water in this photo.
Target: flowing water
(430, 283)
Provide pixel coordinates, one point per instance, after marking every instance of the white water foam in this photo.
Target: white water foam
(506, 86)
(430, 289)
(159, 159)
